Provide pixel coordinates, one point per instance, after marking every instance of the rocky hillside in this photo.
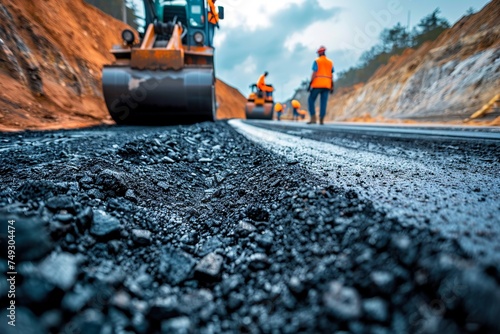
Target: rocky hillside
(51, 55)
(445, 80)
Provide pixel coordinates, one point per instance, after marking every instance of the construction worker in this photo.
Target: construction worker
(213, 20)
(302, 113)
(261, 85)
(321, 84)
(280, 110)
(295, 107)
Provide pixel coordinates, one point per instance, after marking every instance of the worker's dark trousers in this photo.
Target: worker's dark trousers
(323, 100)
(211, 33)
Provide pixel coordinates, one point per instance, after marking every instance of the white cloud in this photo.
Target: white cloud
(318, 33)
(248, 66)
(252, 15)
(219, 38)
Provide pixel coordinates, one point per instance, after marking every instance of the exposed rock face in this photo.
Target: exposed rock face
(448, 79)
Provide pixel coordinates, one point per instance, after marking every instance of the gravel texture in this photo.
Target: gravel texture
(197, 230)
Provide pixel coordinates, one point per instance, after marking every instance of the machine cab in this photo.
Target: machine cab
(191, 14)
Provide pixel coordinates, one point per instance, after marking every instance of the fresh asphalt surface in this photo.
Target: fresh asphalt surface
(446, 177)
(392, 130)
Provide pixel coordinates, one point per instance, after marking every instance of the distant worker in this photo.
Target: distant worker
(321, 84)
(295, 107)
(302, 113)
(280, 110)
(261, 85)
(213, 21)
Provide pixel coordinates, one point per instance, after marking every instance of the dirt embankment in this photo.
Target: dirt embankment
(445, 80)
(230, 101)
(51, 55)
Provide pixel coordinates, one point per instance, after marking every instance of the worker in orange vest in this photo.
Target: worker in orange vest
(278, 108)
(296, 107)
(261, 85)
(302, 113)
(213, 21)
(321, 84)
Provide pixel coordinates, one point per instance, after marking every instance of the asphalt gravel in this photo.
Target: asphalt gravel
(195, 229)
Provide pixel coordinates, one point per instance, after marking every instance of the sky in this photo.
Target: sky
(282, 36)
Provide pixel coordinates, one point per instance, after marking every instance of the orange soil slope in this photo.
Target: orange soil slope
(51, 55)
(231, 102)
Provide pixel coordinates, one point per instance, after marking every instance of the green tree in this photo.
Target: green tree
(429, 28)
(432, 22)
(395, 38)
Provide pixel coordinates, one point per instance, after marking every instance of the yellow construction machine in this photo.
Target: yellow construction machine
(167, 78)
(259, 105)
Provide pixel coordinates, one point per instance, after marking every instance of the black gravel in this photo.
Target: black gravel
(197, 230)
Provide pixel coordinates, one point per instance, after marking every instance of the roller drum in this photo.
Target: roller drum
(254, 111)
(159, 97)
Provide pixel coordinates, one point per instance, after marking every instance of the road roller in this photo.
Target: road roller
(164, 75)
(259, 104)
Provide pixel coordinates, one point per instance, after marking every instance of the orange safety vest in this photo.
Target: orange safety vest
(261, 84)
(213, 16)
(278, 107)
(323, 76)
